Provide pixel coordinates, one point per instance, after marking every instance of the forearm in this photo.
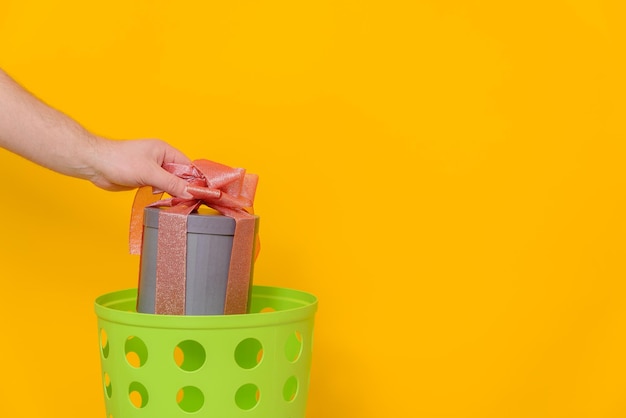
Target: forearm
(36, 131)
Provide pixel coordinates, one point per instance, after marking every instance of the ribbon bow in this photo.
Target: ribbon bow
(228, 190)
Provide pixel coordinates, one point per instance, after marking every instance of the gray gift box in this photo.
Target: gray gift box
(209, 245)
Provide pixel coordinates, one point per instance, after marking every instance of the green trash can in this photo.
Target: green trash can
(255, 365)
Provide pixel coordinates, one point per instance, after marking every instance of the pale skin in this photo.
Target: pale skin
(45, 136)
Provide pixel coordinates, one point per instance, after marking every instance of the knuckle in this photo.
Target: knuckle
(173, 184)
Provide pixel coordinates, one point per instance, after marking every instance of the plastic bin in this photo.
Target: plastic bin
(226, 366)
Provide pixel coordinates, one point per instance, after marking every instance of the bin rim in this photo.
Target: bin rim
(105, 312)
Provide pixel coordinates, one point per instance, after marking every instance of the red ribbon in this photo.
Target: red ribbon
(228, 190)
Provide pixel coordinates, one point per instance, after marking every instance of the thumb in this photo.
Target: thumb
(175, 186)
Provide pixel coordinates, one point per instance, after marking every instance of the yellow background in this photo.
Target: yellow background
(446, 176)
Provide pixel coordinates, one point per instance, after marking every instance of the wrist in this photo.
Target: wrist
(89, 157)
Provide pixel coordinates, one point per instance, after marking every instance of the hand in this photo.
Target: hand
(125, 165)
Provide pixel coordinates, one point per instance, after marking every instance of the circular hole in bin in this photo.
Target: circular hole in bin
(190, 399)
(136, 351)
(189, 355)
(249, 353)
(293, 346)
(104, 343)
(290, 389)
(108, 387)
(267, 310)
(138, 395)
(247, 396)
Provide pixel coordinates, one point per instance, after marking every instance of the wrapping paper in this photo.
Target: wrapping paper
(228, 190)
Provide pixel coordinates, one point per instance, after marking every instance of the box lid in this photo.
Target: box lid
(206, 221)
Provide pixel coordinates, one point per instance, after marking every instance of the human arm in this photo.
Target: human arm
(37, 132)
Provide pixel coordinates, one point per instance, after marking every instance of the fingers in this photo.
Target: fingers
(172, 155)
(175, 186)
(123, 165)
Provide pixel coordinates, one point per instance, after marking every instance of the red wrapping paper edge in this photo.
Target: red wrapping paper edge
(240, 269)
(171, 264)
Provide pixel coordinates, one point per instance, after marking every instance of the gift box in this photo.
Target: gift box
(209, 243)
(191, 263)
